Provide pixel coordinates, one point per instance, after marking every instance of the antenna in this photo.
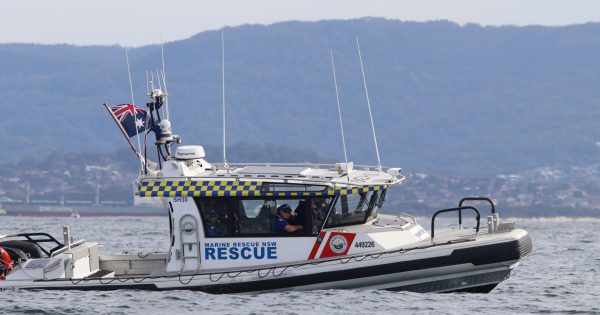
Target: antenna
(337, 96)
(160, 87)
(164, 79)
(225, 164)
(151, 80)
(147, 84)
(158, 78)
(362, 69)
(146, 123)
(164, 75)
(137, 136)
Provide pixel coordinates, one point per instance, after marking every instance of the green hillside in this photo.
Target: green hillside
(457, 100)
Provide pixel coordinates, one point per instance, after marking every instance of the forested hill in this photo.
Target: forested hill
(450, 99)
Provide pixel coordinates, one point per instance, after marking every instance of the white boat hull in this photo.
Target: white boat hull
(468, 265)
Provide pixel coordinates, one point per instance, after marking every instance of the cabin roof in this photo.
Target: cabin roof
(249, 180)
(323, 174)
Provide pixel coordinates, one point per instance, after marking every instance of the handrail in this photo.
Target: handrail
(479, 199)
(49, 238)
(321, 166)
(460, 204)
(459, 209)
(329, 165)
(408, 216)
(321, 181)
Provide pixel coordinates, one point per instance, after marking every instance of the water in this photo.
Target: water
(560, 276)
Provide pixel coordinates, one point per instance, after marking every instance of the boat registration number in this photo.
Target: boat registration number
(366, 244)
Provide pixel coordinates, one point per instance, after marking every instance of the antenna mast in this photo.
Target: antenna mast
(151, 82)
(147, 84)
(137, 136)
(160, 87)
(164, 76)
(225, 164)
(337, 96)
(362, 69)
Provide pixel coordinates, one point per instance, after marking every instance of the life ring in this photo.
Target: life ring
(6, 263)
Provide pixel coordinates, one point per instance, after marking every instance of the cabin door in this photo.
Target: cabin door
(189, 235)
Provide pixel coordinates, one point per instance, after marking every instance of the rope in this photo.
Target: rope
(186, 283)
(231, 275)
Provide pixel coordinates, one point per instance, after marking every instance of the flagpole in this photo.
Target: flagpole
(122, 131)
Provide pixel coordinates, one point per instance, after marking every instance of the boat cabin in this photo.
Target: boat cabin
(249, 215)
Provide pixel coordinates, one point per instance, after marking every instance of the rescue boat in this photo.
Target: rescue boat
(265, 227)
(223, 238)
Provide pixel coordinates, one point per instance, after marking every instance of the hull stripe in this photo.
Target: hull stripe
(315, 248)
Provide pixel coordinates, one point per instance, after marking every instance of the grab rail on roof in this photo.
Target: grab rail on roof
(319, 165)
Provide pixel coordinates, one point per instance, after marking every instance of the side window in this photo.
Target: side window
(351, 209)
(262, 217)
(214, 213)
(254, 216)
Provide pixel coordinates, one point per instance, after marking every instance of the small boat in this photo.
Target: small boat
(268, 227)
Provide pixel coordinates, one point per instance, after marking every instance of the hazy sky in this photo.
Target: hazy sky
(139, 22)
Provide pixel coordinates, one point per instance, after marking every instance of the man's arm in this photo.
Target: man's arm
(292, 228)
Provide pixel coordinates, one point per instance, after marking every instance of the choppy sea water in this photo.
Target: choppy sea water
(562, 275)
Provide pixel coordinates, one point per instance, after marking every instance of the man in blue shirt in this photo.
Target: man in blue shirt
(214, 228)
(280, 222)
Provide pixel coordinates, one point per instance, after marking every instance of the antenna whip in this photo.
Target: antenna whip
(225, 164)
(362, 69)
(137, 136)
(164, 76)
(337, 96)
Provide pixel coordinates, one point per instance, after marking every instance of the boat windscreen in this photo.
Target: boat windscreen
(352, 209)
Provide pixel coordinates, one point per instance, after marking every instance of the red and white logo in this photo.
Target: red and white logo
(331, 244)
(338, 244)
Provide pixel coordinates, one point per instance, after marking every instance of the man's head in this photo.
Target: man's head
(284, 211)
(213, 217)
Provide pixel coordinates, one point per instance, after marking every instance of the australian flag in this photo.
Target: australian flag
(131, 118)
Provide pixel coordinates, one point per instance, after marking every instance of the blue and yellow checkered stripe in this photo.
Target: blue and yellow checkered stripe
(192, 188)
